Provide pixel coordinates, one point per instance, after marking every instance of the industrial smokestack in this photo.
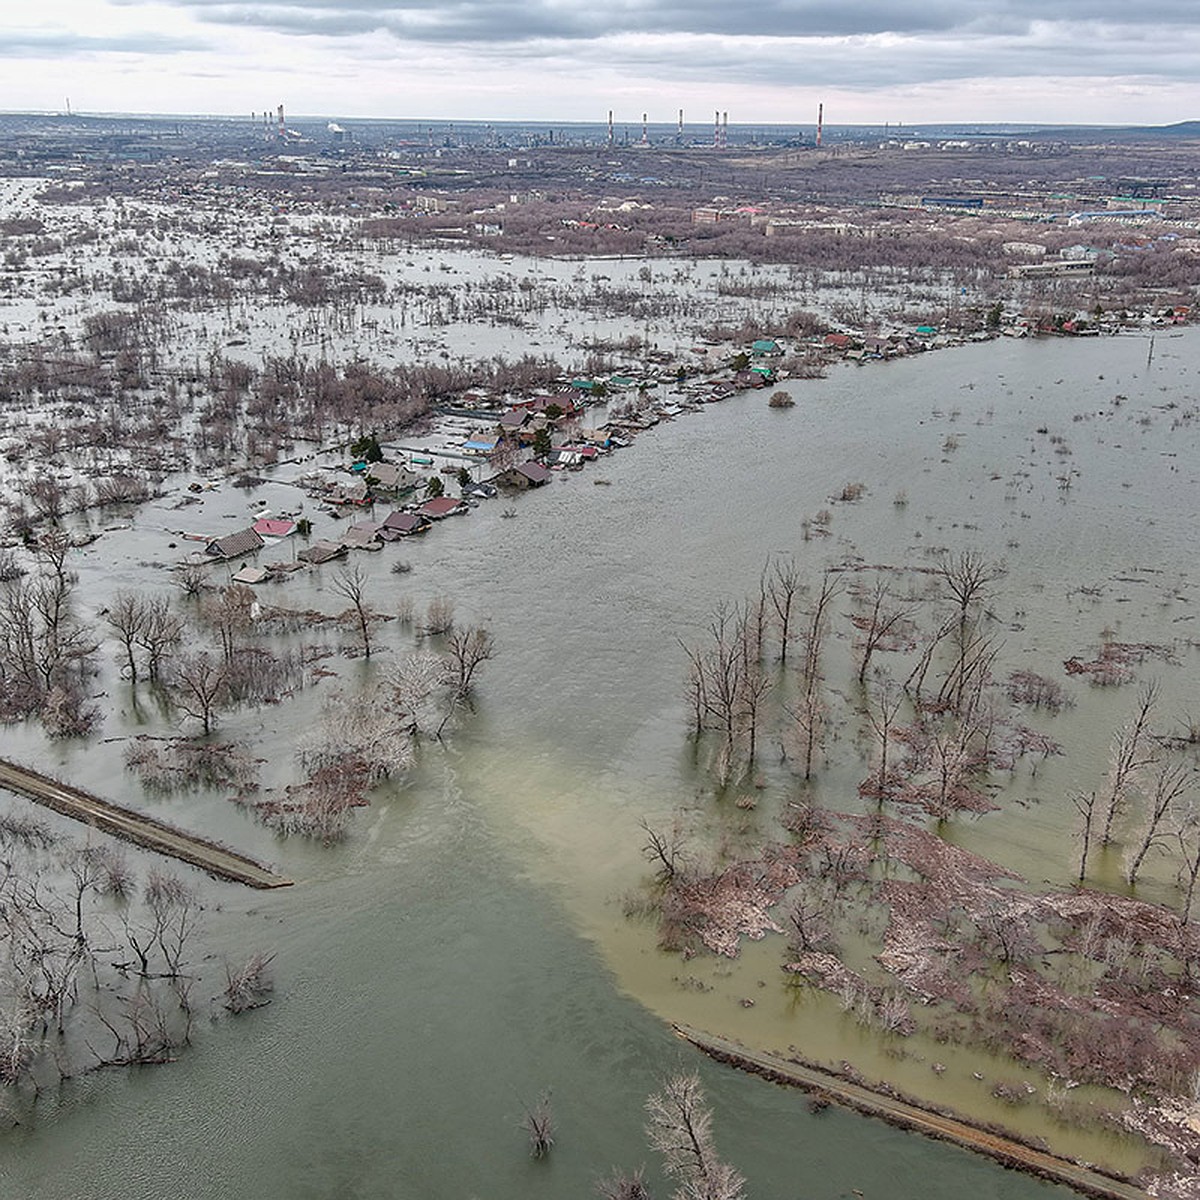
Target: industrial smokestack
(820, 123)
(717, 129)
(282, 126)
(645, 131)
(681, 124)
(610, 129)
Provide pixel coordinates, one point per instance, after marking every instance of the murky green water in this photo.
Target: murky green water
(466, 948)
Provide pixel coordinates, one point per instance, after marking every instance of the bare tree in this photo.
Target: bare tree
(679, 1127)
(192, 578)
(915, 683)
(783, 586)
(623, 1185)
(1189, 848)
(125, 616)
(754, 683)
(664, 849)
(881, 626)
(975, 655)
(1171, 781)
(439, 617)
(882, 715)
(200, 686)
(809, 919)
(468, 649)
(160, 633)
(1132, 751)
(351, 584)
(809, 716)
(250, 986)
(1085, 806)
(720, 664)
(818, 626)
(228, 614)
(539, 1125)
(967, 577)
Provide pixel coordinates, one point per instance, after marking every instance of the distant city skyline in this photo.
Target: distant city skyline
(869, 61)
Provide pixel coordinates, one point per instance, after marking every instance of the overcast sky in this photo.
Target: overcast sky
(869, 61)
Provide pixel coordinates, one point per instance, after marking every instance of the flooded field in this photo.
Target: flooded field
(469, 945)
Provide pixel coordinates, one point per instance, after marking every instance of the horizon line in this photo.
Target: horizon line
(601, 120)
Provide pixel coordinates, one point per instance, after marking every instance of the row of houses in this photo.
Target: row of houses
(360, 535)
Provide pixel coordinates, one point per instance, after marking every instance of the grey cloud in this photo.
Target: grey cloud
(922, 61)
(825, 42)
(46, 44)
(479, 21)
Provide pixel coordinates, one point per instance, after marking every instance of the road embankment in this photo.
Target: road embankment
(903, 1113)
(138, 828)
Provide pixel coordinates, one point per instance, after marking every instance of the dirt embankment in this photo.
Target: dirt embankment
(825, 1084)
(138, 828)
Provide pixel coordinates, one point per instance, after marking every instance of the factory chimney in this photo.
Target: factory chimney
(820, 123)
(282, 126)
(717, 129)
(610, 129)
(645, 132)
(725, 131)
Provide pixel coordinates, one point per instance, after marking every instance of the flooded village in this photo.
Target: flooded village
(610, 607)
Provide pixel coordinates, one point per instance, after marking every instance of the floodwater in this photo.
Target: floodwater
(466, 948)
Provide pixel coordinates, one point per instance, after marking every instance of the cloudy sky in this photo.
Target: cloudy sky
(910, 61)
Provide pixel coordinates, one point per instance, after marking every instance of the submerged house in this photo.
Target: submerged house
(513, 420)
(251, 576)
(235, 545)
(401, 524)
(349, 493)
(390, 477)
(274, 527)
(364, 535)
(321, 552)
(527, 475)
(441, 506)
(750, 379)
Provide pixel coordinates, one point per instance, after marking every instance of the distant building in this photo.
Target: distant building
(434, 204)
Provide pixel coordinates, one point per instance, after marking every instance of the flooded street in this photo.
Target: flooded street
(467, 946)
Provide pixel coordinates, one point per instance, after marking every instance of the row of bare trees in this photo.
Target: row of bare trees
(745, 652)
(1151, 781)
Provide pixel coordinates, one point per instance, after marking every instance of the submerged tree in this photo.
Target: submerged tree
(468, 650)
(1132, 751)
(1085, 805)
(351, 585)
(1171, 782)
(679, 1127)
(539, 1125)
